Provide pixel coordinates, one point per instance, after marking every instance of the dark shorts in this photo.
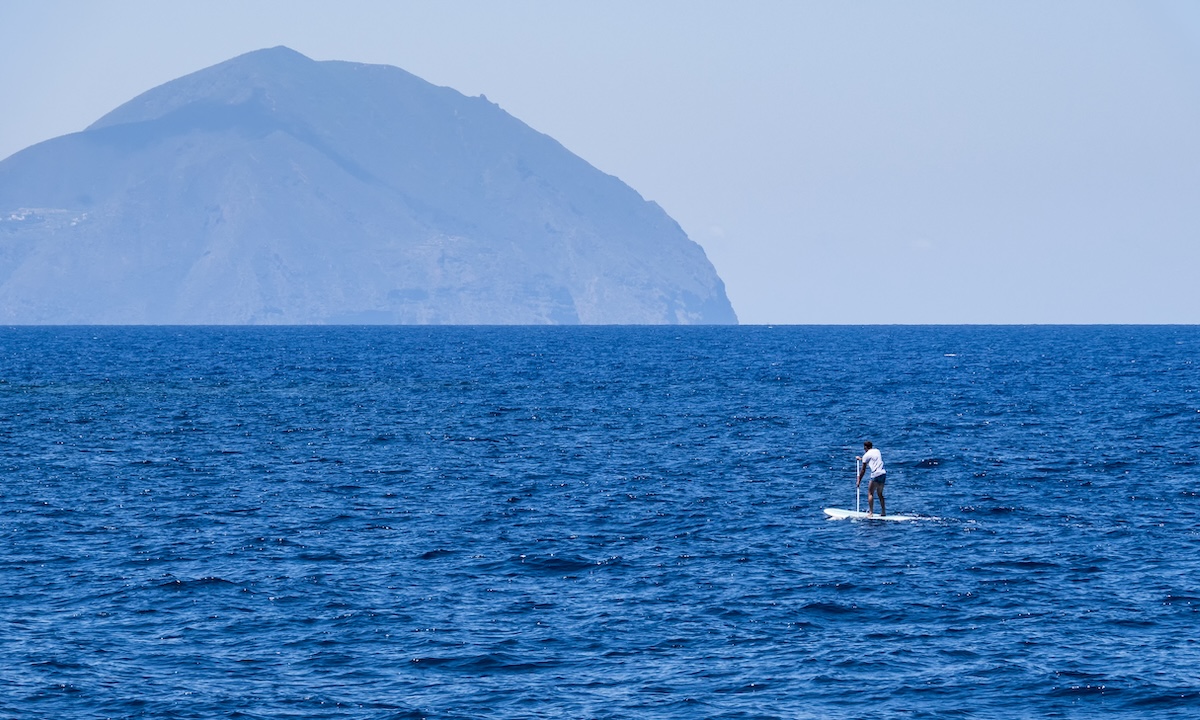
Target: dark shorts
(882, 479)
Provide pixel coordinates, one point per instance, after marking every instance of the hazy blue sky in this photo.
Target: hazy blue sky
(840, 162)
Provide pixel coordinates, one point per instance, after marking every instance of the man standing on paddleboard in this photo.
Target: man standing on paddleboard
(874, 461)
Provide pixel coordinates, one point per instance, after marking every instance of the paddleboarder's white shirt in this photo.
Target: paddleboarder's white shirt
(874, 462)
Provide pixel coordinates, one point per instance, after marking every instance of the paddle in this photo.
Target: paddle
(857, 490)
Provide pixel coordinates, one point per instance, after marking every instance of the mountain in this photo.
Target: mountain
(272, 188)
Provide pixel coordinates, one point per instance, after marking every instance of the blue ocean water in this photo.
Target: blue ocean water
(370, 522)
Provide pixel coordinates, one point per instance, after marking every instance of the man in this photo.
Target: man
(874, 461)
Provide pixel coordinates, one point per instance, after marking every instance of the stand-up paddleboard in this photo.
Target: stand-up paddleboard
(840, 514)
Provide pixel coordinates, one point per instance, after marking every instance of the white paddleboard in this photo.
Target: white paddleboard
(840, 514)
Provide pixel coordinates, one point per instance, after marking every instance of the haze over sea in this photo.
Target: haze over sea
(608, 522)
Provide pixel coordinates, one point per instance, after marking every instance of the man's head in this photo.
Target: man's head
(867, 445)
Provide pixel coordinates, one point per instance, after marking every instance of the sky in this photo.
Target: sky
(839, 162)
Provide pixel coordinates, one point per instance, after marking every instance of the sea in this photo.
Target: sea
(598, 522)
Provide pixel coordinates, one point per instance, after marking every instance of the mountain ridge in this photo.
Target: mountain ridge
(272, 188)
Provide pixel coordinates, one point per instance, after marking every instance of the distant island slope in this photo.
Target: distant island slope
(275, 189)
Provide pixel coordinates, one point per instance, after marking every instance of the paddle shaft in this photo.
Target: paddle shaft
(857, 491)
